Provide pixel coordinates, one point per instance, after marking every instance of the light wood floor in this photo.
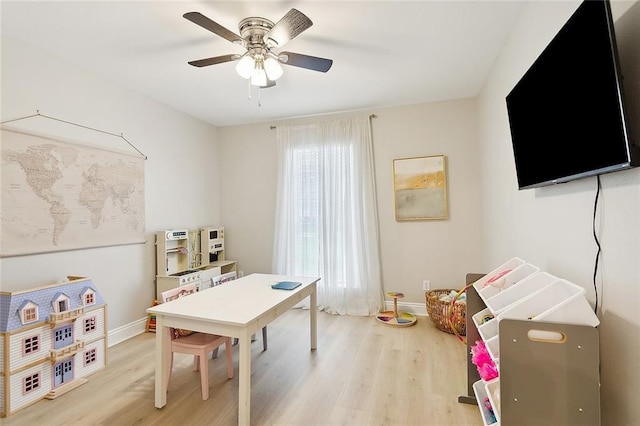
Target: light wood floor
(363, 373)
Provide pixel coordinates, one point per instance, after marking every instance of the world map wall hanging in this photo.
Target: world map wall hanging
(59, 195)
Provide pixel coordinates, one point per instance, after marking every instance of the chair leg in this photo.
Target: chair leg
(264, 338)
(204, 376)
(229, 355)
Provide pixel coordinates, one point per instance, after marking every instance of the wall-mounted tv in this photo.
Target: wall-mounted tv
(566, 114)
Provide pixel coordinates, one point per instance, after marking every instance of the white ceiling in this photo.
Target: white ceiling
(385, 53)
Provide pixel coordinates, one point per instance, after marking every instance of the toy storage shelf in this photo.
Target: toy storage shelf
(541, 333)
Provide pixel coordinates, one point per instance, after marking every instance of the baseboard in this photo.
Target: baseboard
(127, 331)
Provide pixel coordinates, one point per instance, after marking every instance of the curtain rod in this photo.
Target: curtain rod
(370, 117)
(37, 114)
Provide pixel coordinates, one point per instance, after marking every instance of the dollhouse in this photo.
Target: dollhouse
(52, 338)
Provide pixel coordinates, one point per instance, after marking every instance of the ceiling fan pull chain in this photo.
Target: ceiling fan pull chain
(259, 99)
(249, 89)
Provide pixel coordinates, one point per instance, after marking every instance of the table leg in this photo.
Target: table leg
(162, 362)
(313, 316)
(244, 380)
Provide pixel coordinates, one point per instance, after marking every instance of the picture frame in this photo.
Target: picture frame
(420, 188)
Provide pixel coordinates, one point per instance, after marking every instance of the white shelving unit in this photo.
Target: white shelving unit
(525, 316)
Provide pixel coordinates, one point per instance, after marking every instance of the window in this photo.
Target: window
(61, 303)
(31, 383)
(29, 313)
(90, 356)
(326, 217)
(31, 345)
(307, 198)
(89, 297)
(89, 324)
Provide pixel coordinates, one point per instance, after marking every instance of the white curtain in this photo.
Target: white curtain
(326, 214)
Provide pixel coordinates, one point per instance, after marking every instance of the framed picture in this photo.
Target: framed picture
(420, 188)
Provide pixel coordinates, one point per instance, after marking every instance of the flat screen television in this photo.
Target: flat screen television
(566, 114)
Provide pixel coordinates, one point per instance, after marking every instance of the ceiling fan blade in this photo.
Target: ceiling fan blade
(215, 60)
(206, 23)
(305, 61)
(291, 25)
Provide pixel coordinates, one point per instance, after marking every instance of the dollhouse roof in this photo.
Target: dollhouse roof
(12, 302)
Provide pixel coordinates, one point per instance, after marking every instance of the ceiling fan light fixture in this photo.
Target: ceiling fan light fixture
(273, 69)
(259, 77)
(246, 66)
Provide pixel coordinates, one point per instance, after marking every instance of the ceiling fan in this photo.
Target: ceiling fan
(261, 37)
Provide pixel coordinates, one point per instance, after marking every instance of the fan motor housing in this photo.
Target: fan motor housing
(253, 29)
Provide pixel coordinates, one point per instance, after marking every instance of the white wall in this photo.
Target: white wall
(442, 251)
(247, 194)
(552, 227)
(181, 179)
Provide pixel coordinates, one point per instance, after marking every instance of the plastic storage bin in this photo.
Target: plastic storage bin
(523, 288)
(493, 392)
(502, 269)
(482, 316)
(493, 347)
(560, 301)
(489, 329)
(488, 416)
(506, 276)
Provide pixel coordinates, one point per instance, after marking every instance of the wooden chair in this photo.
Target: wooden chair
(196, 344)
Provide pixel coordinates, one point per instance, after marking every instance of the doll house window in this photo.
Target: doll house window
(90, 356)
(29, 313)
(31, 383)
(89, 324)
(60, 303)
(31, 345)
(89, 297)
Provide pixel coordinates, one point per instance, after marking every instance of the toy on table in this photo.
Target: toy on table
(395, 318)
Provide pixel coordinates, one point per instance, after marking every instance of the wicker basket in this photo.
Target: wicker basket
(439, 312)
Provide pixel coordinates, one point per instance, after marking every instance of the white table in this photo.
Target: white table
(236, 309)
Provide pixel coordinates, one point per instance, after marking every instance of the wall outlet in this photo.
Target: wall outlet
(426, 285)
